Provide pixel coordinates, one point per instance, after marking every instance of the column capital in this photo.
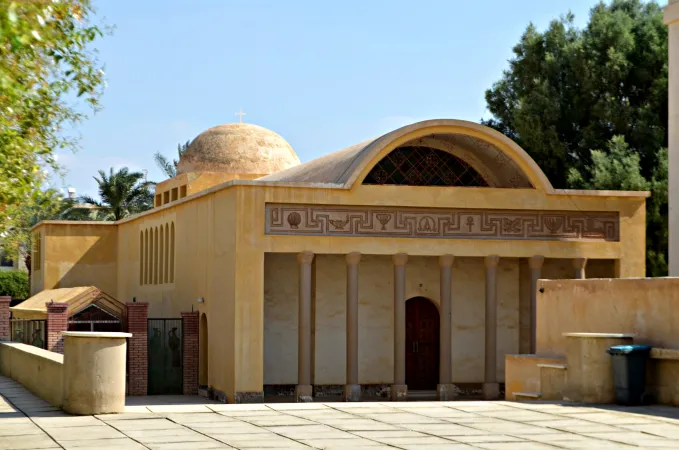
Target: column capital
(353, 258)
(492, 261)
(579, 263)
(305, 257)
(446, 260)
(535, 262)
(400, 259)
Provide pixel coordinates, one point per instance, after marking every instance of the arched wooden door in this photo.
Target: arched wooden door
(422, 344)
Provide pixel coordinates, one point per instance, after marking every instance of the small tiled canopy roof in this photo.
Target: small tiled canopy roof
(488, 151)
(78, 298)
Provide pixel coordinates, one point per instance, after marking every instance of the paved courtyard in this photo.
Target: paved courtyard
(27, 422)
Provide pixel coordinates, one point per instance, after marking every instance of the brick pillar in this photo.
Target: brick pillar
(5, 334)
(137, 348)
(57, 322)
(190, 352)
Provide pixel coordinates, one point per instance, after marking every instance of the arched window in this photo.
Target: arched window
(161, 259)
(423, 166)
(146, 256)
(167, 252)
(155, 255)
(172, 244)
(141, 258)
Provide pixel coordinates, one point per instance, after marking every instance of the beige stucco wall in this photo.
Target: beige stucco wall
(40, 371)
(648, 307)
(78, 254)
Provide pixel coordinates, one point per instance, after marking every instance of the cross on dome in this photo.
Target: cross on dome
(240, 115)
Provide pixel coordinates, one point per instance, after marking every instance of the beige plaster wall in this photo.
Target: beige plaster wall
(38, 370)
(648, 307)
(80, 255)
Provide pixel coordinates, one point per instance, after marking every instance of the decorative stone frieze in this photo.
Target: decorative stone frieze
(372, 221)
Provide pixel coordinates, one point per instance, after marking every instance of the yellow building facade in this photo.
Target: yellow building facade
(407, 262)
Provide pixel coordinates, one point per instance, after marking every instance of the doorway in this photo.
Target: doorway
(165, 356)
(422, 344)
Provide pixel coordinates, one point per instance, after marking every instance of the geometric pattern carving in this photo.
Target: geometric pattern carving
(423, 166)
(372, 221)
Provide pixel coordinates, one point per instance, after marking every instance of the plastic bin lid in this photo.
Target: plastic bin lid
(627, 349)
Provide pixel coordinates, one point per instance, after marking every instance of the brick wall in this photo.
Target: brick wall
(190, 353)
(4, 318)
(137, 348)
(57, 322)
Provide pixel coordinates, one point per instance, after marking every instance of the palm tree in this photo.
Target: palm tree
(122, 193)
(170, 168)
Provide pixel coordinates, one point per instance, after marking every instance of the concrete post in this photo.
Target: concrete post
(190, 352)
(352, 389)
(138, 365)
(304, 389)
(399, 390)
(579, 265)
(5, 331)
(491, 388)
(672, 21)
(57, 323)
(94, 372)
(535, 265)
(445, 389)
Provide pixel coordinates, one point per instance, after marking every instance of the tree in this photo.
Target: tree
(573, 97)
(170, 168)
(122, 193)
(46, 69)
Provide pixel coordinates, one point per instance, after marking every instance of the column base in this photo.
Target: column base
(304, 393)
(399, 392)
(352, 393)
(445, 392)
(491, 391)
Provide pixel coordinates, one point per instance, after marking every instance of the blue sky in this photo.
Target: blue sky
(324, 75)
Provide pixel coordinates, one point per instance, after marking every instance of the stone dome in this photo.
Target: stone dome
(238, 148)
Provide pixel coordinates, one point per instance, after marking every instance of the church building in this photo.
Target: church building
(402, 264)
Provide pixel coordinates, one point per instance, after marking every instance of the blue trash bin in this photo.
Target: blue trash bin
(629, 373)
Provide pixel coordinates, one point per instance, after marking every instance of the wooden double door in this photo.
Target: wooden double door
(422, 344)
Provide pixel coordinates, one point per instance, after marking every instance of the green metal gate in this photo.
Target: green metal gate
(165, 356)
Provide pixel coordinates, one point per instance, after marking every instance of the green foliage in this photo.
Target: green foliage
(14, 283)
(170, 168)
(590, 106)
(46, 68)
(122, 193)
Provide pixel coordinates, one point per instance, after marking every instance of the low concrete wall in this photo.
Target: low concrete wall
(40, 371)
(647, 307)
(522, 373)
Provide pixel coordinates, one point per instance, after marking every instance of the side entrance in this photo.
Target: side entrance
(165, 356)
(422, 344)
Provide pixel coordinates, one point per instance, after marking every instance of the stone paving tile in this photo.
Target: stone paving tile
(354, 442)
(221, 407)
(32, 441)
(401, 418)
(376, 435)
(451, 446)
(127, 416)
(514, 446)
(20, 429)
(357, 424)
(83, 444)
(421, 440)
(89, 432)
(658, 429)
(297, 406)
(185, 445)
(179, 409)
(188, 418)
(446, 429)
(479, 438)
(277, 421)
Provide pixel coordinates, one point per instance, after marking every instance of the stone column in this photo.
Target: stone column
(579, 265)
(352, 390)
(303, 392)
(445, 389)
(57, 323)
(94, 372)
(399, 390)
(190, 352)
(672, 21)
(491, 388)
(535, 264)
(5, 331)
(138, 358)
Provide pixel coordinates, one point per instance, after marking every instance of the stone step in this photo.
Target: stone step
(527, 396)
